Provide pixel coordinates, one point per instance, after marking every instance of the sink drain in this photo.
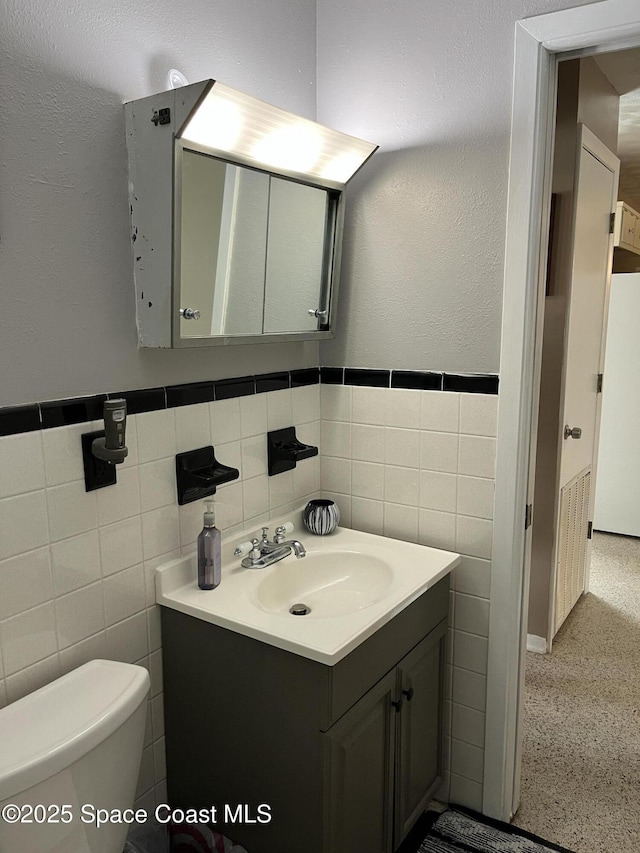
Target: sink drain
(299, 610)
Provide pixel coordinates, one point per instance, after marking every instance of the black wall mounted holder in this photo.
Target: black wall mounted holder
(97, 473)
(285, 450)
(198, 474)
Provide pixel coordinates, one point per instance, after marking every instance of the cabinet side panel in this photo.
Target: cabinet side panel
(150, 155)
(151, 177)
(241, 727)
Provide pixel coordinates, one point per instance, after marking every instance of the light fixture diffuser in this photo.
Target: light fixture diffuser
(228, 122)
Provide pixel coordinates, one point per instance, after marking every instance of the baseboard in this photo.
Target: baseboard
(536, 644)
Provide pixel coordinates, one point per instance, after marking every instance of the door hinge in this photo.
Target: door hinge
(612, 222)
(590, 530)
(528, 516)
(599, 388)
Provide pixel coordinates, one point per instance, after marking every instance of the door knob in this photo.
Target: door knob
(576, 432)
(316, 312)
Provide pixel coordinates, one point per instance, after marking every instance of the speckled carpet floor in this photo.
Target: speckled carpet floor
(581, 760)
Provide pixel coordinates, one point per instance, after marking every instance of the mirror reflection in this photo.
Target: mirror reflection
(255, 250)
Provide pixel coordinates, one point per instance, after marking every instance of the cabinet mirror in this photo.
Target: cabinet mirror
(255, 250)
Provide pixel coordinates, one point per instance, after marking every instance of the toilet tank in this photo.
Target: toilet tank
(77, 742)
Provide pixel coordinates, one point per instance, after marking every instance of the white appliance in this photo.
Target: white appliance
(617, 502)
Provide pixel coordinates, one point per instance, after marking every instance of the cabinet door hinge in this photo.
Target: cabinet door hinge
(528, 516)
(590, 530)
(599, 388)
(612, 222)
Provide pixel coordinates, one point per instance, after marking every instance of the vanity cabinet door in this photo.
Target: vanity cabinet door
(359, 774)
(418, 743)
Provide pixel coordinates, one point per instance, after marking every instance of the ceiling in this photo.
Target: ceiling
(622, 69)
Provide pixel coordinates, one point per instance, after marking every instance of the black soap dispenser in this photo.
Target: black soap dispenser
(209, 551)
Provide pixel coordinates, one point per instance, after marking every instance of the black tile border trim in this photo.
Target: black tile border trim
(305, 376)
(18, 419)
(144, 400)
(241, 386)
(76, 410)
(369, 378)
(332, 375)
(189, 394)
(470, 383)
(272, 382)
(417, 380)
(32, 417)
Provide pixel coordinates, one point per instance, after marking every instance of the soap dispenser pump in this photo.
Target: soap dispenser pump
(209, 551)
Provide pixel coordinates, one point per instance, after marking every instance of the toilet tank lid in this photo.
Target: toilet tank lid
(51, 728)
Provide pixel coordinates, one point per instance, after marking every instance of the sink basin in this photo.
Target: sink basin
(330, 583)
(351, 583)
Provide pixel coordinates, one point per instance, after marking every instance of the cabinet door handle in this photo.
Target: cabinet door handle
(397, 705)
(408, 693)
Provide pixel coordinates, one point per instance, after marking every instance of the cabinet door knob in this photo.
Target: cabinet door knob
(397, 705)
(190, 313)
(408, 693)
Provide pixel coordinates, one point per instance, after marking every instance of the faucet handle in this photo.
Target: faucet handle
(279, 534)
(243, 549)
(282, 531)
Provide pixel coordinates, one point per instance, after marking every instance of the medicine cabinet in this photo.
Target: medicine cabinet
(237, 212)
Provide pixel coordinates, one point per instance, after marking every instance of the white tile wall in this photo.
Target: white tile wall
(77, 568)
(419, 465)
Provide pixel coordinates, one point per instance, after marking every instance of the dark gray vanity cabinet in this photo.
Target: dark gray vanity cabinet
(345, 756)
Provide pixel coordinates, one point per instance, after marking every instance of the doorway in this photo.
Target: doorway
(580, 742)
(584, 195)
(594, 28)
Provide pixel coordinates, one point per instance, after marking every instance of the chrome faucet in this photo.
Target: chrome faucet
(279, 541)
(265, 553)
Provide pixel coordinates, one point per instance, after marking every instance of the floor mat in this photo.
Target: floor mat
(455, 831)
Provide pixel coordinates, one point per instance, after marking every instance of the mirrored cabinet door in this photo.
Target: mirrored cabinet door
(296, 273)
(255, 251)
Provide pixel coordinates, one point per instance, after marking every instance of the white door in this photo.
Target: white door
(617, 504)
(596, 194)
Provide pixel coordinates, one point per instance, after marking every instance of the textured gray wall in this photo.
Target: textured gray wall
(67, 322)
(424, 241)
(432, 84)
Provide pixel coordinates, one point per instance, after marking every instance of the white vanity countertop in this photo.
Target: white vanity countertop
(235, 604)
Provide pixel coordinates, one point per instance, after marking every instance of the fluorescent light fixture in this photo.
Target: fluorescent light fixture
(229, 123)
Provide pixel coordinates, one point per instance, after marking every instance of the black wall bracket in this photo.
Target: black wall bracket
(198, 474)
(284, 450)
(97, 473)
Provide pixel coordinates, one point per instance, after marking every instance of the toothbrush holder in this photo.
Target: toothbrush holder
(321, 517)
